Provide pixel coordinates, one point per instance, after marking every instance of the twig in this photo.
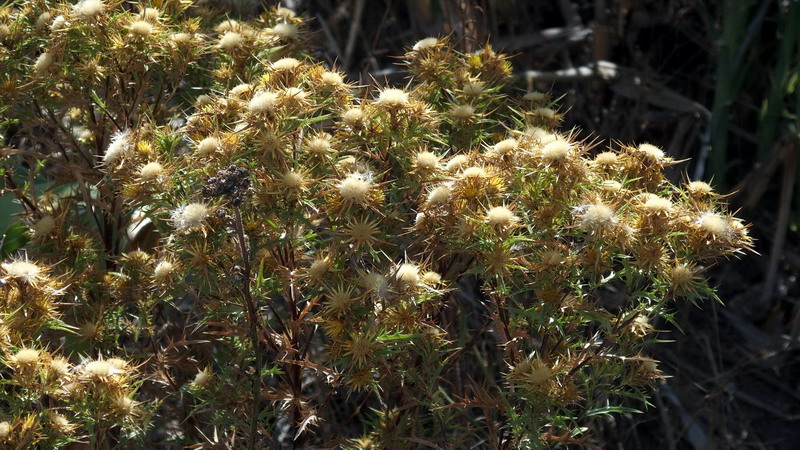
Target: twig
(351, 37)
(252, 318)
(787, 188)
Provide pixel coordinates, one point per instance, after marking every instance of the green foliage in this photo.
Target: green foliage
(304, 260)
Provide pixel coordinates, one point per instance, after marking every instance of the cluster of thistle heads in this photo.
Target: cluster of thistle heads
(379, 230)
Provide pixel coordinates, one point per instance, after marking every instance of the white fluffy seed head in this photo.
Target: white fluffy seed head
(462, 112)
(227, 25)
(204, 100)
(26, 357)
(547, 113)
(391, 98)
(408, 274)
(25, 271)
(377, 283)
(294, 94)
(43, 62)
(263, 102)
(141, 28)
(332, 79)
(5, 429)
(43, 20)
(505, 147)
(652, 152)
(286, 13)
(499, 216)
(182, 38)
(606, 159)
(353, 116)
(240, 89)
(439, 195)
(556, 151)
(426, 160)
(231, 40)
(319, 146)
(431, 278)
(285, 64)
(611, 185)
(190, 216)
(354, 189)
(474, 172)
(597, 216)
(473, 89)
(456, 162)
(319, 268)
(285, 31)
(208, 145)
(163, 270)
(425, 44)
(699, 188)
(88, 9)
(713, 224)
(99, 369)
(656, 204)
(534, 96)
(151, 171)
(292, 180)
(121, 143)
(44, 226)
(58, 23)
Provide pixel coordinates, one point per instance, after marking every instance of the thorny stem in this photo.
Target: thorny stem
(252, 318)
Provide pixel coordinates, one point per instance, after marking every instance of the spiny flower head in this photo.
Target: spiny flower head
(203, 377)
(361, 232)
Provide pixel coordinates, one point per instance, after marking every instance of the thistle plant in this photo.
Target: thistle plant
(231, 243)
